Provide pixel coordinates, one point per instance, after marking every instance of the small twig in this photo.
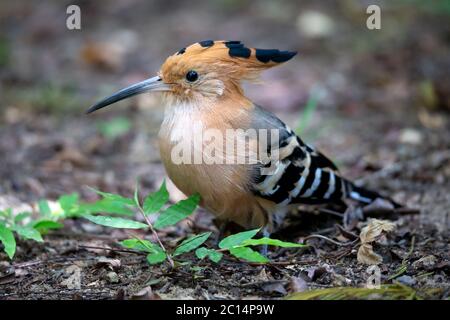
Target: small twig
(110, 249)
(326, 230)
(342, 244)
(332, 212)
(346, 233)
(150, 225)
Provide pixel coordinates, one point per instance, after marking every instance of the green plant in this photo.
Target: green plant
(31, 230)
(238, 245)
(116, 211)
(32, 226)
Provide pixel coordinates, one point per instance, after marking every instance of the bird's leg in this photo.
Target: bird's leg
(266, 233)
(222, 226)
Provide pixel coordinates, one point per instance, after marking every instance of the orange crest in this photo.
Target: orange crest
(225, 59)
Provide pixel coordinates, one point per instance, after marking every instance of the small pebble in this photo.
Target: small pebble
(409, 281)
(112, 277)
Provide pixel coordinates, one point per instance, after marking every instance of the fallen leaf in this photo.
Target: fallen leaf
(374, 229)
(369, 234)
(366, 255)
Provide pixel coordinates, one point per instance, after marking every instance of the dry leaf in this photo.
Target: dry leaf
(366, 255)
(369, 234)
(374, 229)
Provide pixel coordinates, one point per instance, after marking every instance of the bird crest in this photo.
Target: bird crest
(230, 58)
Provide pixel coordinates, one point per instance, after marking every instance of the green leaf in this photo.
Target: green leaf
(68, 201)
(45, 225)
(44, 208)
(7, 213)
(136, 195)
(7, 238)
(213, 255)
(140, 245)
(70, 204)
(115, 222)
(28, 233)
(106, 206)
(271, 242)
(114, 128)
(177, 212)
(237, 239)
(21, 216)
(155, 201)
(248, 254)
(114, 197)
(191, 243)
(51, 210)
(157, 257)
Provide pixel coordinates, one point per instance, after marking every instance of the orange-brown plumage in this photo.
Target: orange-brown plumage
(201, 86)
(218, 102)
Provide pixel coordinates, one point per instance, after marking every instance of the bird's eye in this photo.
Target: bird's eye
(191, 76)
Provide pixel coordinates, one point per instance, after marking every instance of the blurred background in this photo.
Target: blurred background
(375, 101)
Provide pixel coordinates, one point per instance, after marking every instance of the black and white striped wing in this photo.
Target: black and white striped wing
(299, 175)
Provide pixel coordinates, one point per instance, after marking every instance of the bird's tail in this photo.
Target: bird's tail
(364, 195)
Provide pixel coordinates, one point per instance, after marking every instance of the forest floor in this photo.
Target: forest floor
(383, 115)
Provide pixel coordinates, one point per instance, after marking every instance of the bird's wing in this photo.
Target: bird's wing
(299, 174)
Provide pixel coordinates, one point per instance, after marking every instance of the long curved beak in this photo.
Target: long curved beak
(152, 84)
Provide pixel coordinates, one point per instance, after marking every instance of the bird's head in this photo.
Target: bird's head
(205, 70)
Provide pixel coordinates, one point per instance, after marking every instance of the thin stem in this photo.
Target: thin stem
(343, 244)
(155, 234)
(109, 249)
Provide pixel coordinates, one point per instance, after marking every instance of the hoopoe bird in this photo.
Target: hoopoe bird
(201, 84)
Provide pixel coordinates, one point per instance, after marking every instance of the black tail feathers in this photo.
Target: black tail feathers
(366, 196)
